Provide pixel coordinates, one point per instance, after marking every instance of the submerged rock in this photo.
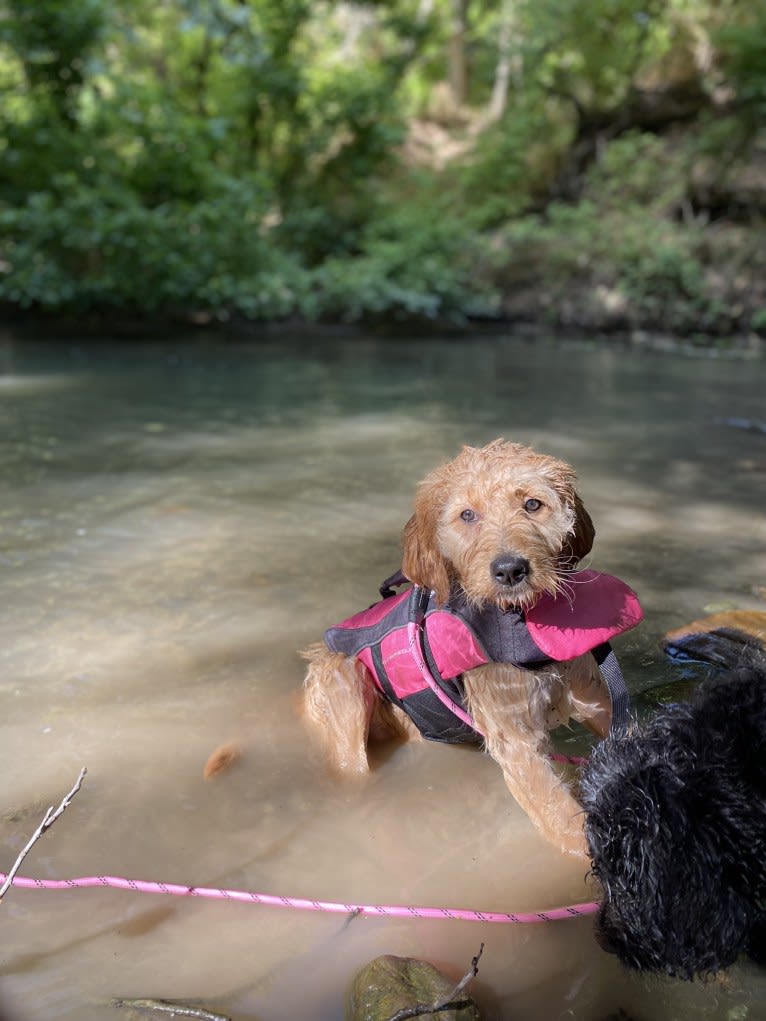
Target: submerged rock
(390, 984)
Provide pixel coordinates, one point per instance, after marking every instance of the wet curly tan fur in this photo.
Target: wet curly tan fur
(499, 503)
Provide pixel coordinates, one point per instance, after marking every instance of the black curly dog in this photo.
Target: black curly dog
(676, 823)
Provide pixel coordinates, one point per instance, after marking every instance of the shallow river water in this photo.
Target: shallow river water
(177, 521)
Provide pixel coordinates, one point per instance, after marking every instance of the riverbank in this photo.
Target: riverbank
(18, 329)
(620, 270)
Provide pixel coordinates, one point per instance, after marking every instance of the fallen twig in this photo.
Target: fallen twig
(450, 1002)
(424, 1008)
(470, 975)
(172, 1007)
(48, 820)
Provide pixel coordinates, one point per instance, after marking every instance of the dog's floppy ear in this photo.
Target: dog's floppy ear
(579, 542)
(422, 562)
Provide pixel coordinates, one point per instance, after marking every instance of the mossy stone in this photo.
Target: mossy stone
(388, 984)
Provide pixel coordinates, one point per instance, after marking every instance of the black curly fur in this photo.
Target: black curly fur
(676, 826)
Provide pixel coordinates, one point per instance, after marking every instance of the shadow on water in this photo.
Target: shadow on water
(181, 518)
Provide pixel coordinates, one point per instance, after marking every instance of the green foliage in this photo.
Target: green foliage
(81, 248)
(52, 40)
(511, 167)
(620, 245)
(213, 149)
(412, 264)
(758, 321)
(589, 51)
(641, 169)
(742, 43)
(251, 157)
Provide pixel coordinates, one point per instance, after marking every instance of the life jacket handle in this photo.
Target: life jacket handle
(394, 581)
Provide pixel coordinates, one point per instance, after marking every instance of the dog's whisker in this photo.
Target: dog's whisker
(574, 578)
(563, 587)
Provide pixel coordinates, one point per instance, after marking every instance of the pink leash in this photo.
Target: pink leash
(302, 904)
(413, 638)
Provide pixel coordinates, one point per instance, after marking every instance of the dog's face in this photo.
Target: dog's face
(500, 521)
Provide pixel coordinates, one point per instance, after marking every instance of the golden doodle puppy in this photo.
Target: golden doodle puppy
(497, 641)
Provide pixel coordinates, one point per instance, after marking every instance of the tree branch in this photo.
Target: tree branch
(172, 1007)
(48, 820)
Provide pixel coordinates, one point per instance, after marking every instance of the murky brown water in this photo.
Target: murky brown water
(179, 519)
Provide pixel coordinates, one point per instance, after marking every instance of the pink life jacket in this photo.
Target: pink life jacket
(424, 676)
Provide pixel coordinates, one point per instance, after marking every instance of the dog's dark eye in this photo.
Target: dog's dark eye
(532, 505)
(468, 515)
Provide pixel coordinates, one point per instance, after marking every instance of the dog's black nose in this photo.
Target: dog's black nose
(509, 569)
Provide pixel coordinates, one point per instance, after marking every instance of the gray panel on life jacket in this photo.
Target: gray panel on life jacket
(351, 640)
(504, 636)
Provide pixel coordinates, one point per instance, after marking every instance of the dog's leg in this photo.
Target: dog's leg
(541, 792)
(585, 695)
(339, 701)
(513, 721)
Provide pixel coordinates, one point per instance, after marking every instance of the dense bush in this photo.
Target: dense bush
(625, 256)
(81, 249)
(90, 248)
(413, 263)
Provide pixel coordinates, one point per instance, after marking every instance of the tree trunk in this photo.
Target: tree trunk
(508, 65)
(458, 65)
